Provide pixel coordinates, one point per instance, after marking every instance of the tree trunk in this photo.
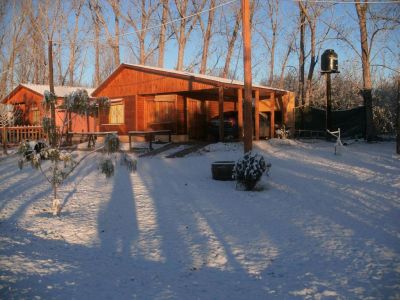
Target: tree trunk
(367, 83)
(301, 67)
(53, 137)
(94, 11)
(181, 47)
(116, 10)
(59, 61)
(97, 53)
(272, 15)
(161, 41)
(231, 45)
(285, 60)
(313, 63)
(207, 37)
(73, 46)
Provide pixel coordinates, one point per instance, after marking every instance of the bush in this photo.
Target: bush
(249, 169)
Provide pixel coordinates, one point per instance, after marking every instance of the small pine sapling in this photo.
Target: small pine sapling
(62, 163)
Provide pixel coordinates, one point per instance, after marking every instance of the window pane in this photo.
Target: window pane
(116, 114)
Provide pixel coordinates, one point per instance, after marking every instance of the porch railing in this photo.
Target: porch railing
(16, 134)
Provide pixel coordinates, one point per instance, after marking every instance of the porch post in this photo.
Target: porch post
(185, 116)
(240, 112)
(283, 108)
(221, 112)
(257, 115)
(272, 120)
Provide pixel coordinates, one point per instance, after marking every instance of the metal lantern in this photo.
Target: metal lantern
(329, 62)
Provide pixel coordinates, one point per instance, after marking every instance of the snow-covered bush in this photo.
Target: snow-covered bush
(111, 143)
(282, 133)
(107, 167)
(249, 169)
(129, 163)
(30, 148)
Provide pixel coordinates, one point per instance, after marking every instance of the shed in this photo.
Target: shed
(29, 97)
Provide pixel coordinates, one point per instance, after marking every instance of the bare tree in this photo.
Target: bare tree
(231, 36)
(163, 30)
(207, 33)
(181, 32)
(290, 48)
(94, 7)
(140, 20)
(77, 6)
(16, 37)
(270, 38)
(301, 89)
(115, 4)
(311, 14)
(365, 59)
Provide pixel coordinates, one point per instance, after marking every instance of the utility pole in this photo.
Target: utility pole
(53, 137)
(247, 111)
(398, 117)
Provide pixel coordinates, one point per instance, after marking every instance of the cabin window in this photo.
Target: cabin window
(35, 116)
(116, 115)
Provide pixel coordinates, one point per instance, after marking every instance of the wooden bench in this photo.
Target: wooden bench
(91, 136)
(149, 135)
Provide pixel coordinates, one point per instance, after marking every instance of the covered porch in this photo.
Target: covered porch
(201, 105)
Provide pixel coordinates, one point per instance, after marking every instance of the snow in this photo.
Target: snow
(60, 91)
(320, 226)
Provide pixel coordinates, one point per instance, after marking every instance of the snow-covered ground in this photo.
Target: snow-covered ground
(320, 226)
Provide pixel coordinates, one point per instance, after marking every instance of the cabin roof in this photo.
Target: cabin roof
(187, 75)
(60, 91)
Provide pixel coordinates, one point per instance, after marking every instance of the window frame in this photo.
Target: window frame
(119, 119)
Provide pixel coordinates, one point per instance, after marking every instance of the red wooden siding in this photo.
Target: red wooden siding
(30, 101)
(27, 100)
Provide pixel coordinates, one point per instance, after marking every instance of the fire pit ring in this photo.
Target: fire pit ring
(222, 170)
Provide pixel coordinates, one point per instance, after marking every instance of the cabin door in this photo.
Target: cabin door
(196, 119)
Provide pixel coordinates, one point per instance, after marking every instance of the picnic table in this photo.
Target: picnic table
(91, 136)
(148, 135)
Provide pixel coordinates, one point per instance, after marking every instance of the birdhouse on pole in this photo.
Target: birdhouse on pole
(329, 62)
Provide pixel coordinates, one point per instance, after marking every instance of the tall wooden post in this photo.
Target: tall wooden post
(272, 119)
(53, 137)
(248, 123)
(221, 112)
(328, 120)
(240, 112)
(282, 104)
(398, 117)
(257, 115)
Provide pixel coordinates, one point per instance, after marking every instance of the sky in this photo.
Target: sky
(345, 14)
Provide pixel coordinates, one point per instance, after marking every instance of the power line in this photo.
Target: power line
(348, 2)
(159, 25)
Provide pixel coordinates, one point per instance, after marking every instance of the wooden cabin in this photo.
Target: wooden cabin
(150, 98)
(29, 98)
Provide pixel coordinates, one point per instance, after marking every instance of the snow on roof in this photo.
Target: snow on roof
(202, 76)
(60, 91)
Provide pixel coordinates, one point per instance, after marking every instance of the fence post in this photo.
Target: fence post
(4, 139)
